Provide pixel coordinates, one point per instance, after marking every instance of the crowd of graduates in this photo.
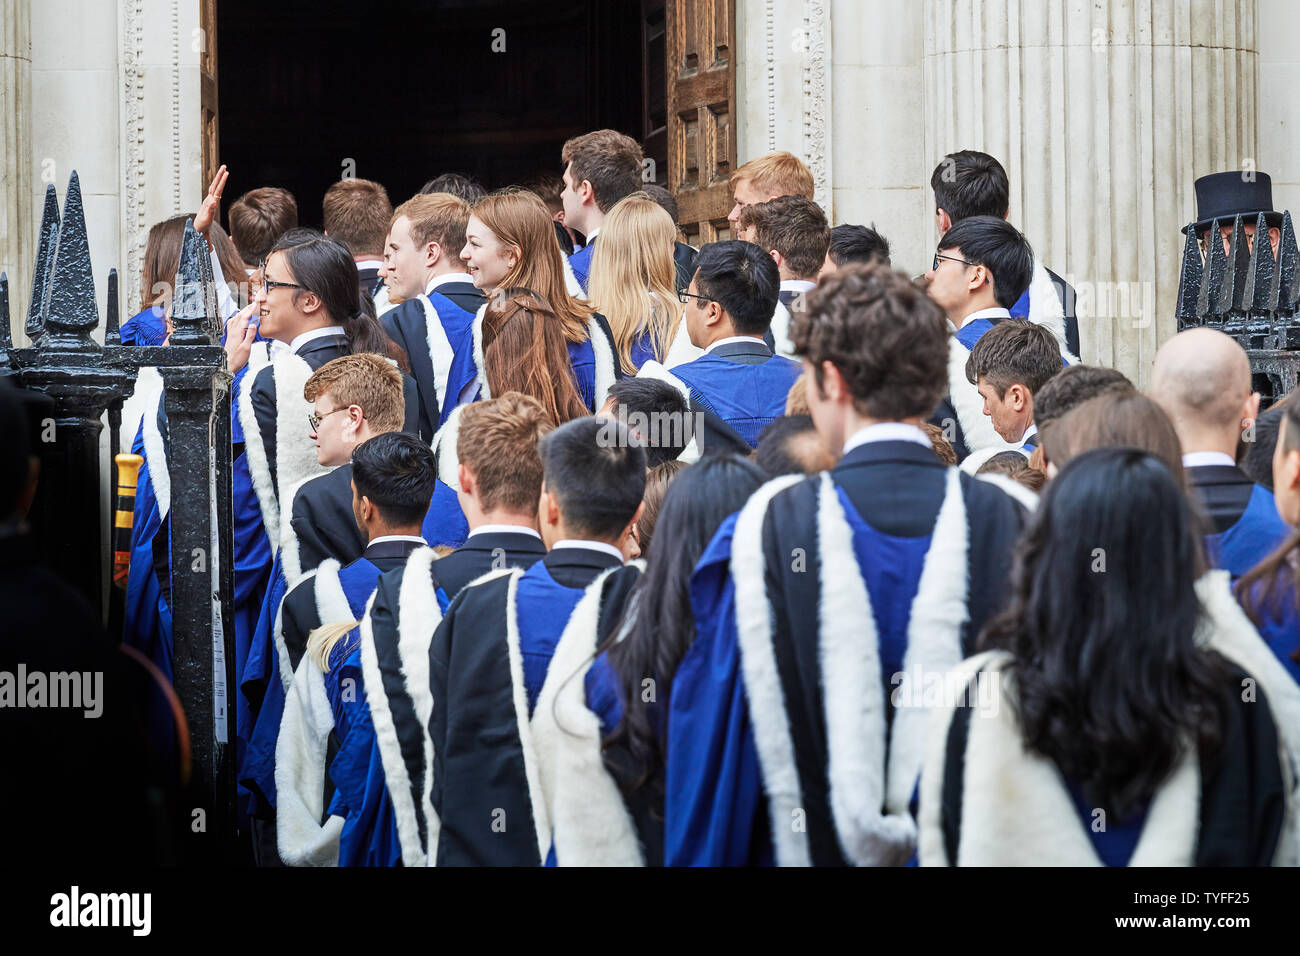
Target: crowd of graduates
(558, 541)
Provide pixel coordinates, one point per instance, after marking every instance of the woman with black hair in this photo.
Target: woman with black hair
(629, 684)
(1116, 716)
(311, 307)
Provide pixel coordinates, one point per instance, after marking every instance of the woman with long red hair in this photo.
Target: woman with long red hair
(510, 244)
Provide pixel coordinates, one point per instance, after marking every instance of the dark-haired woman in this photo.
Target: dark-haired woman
(1126, 713)
(1270, 592)
(311, 308)
(629, 684)
(524, 350)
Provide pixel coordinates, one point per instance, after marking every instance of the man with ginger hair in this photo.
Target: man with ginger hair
(1201, 378)
(764, 179)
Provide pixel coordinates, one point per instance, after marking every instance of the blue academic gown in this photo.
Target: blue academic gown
(710, 734)
(580, 262)
(742, 383)
(148, 618)
(369, 835)
(1255, 535)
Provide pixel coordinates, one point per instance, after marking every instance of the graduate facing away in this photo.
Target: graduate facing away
(797, 718)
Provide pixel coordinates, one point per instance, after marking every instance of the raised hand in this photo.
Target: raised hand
(207, 213)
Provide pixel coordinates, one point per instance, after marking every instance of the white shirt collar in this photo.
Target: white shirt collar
(444, 279)
(300, 340)
(1195, 459)
(797, 285)
(734, 338)
(592, 235)
(363, 264)
(1030, 432)
(590, 546)
(996, 313)
(396, 537)
(503, 529)
(887, 431)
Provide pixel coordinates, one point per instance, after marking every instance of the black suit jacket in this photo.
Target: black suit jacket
(1224, 492)
(482, 553)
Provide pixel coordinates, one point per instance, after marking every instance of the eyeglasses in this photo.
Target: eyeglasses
(268, 284)
(315, 420)
(685, 297)
(937, 257)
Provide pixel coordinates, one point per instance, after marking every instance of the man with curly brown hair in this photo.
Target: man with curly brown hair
(828, 607)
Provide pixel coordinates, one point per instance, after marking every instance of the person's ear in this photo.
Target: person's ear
(776, 257)
(465, 478)
(630, 527)
(586, 192)
(1019, 397)
(712, 313)
(833, 387)
(942, 220)
(1251, 412)
(432, 253)
(367, 509)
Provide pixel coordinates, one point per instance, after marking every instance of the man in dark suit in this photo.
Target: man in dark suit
(738, 384)
(1201, 378)
(356, 213)
(970, 183)
(600, 168)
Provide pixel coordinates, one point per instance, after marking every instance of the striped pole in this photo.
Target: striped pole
(128, 472)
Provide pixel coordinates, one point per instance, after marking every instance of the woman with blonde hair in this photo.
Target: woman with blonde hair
(510, 243)
(632, 281)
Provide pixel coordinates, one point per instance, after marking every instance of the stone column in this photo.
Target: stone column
(1103, 114)
(17, 211)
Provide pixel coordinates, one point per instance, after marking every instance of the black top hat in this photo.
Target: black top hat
(1224, 196)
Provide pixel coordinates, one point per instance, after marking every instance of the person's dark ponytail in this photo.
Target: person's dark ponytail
(325, 267)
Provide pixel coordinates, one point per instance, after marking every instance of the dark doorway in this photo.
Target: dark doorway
(401, 90)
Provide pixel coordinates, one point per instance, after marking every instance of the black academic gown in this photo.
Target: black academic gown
(482, 553)
(480, 754)
(898, 489)
(315, 353)
(299, 612)
(322, 523)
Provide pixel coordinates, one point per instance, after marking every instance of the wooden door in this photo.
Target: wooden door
(701, 80)
(208, 91)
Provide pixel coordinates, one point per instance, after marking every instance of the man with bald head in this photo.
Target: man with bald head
(1202, 380)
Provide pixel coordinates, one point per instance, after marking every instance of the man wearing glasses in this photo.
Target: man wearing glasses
(738, 385)
(980, 269)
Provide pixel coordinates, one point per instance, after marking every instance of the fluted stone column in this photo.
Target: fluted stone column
(17, 212)
(1103, 114)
